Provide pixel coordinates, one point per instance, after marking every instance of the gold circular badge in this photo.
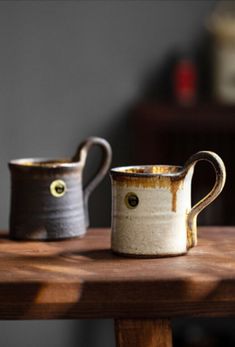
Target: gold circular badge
(58, 188)
(131, 200)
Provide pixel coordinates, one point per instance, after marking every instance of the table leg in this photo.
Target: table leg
(143, 333)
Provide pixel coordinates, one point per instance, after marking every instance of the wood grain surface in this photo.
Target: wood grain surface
(82, 278)
(143, 333)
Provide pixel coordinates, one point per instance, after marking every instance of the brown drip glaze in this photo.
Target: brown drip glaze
(175, 185)
(171, 183)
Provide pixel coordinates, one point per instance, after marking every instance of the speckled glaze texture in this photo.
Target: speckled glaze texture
(48, 201)
(151, 207)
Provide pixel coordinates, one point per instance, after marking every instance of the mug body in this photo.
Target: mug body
(149, 210)
(46, 199)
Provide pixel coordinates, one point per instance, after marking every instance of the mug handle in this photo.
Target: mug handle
(81, 156)
(220, 173)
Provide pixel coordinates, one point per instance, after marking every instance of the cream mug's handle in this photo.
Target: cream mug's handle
(81, 156)
(220, 173)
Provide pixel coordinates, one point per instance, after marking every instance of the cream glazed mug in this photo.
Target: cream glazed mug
(151, 207)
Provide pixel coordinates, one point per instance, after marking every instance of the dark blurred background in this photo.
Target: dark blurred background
(155, 78)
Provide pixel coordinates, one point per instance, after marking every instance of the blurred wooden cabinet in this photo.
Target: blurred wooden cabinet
(169, 134)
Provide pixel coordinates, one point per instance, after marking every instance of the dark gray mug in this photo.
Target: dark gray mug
(48, 201)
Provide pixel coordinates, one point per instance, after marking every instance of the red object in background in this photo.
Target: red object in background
(185, 82)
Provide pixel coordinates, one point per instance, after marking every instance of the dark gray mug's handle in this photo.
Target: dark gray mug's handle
(81, 156)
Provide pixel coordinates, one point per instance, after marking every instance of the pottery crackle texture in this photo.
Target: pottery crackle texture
(151, 207)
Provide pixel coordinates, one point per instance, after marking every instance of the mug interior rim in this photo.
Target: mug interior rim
(43, 163)
(123, 170)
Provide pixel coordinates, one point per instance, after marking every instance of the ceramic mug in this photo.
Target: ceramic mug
(151, 207)
(48, 201)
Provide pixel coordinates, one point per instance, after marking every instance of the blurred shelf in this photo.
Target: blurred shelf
(209, 116)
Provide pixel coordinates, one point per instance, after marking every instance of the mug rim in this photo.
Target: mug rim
(43, 163)
(123, 170)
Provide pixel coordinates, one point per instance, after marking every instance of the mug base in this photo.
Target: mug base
(147, 256)
(44, 237)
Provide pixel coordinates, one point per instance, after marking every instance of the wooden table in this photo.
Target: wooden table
(81, 278)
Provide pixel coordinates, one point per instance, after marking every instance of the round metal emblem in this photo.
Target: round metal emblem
(58, 188)
(131, 200)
